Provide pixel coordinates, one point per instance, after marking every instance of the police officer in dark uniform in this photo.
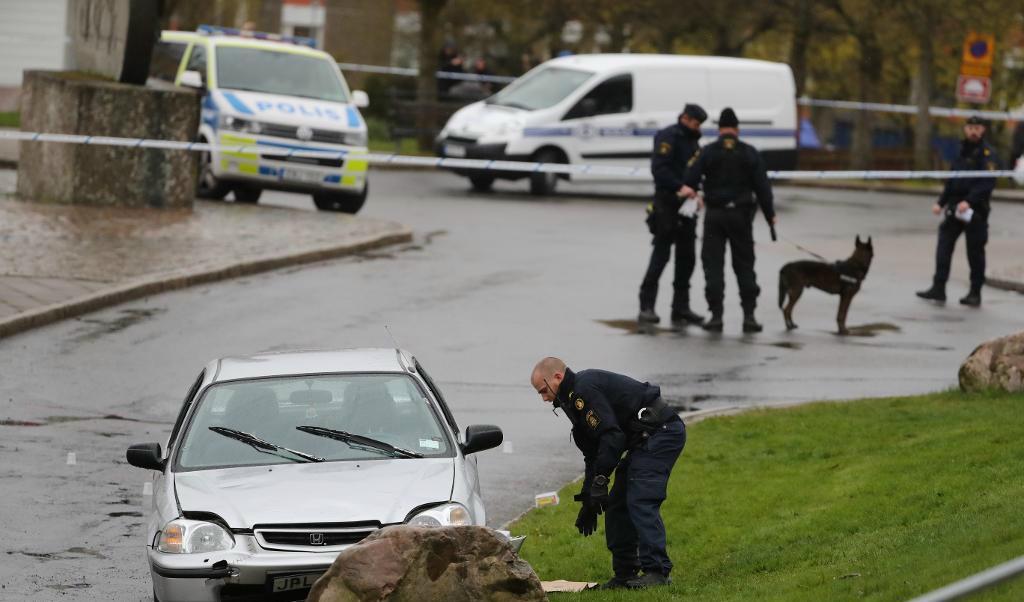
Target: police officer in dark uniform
(962, 197)
(613, 414)
(673, 148)
(733, 173)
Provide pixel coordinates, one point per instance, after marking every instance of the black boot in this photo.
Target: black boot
(617, 582)
(681, 318)
(649, 579)
(715, 323)
(647, 316)
(749, 323)
(935, 293)
(973, 298)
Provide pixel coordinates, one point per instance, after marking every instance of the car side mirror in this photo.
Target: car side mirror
(360, 99)
(146, 455)
(191, 79)
(480, 437)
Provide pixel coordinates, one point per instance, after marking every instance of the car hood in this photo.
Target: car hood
(288, 110)
(328, 492)
(482, 119)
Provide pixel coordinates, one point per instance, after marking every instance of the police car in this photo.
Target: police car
(280, 95)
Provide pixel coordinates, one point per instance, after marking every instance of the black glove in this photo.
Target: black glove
(598, 494)
(586, 521)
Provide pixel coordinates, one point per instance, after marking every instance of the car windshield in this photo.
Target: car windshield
(540, 89)
(276, 72)
(388, 409)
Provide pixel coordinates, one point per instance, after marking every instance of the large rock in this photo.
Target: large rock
(404, 563)
(995, 365)
(72, 103)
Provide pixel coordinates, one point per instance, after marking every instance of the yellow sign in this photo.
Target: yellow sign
(976, 70)
(979, 49)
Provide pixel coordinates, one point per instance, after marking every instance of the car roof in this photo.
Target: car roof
(240, 41)
(604, 62)
(291, 363)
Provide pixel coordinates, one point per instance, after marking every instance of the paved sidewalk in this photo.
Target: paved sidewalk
(57, 261)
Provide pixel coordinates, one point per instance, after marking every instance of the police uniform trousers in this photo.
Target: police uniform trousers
(976, 233)
(735, 226)
(670, 229)
(634, 531)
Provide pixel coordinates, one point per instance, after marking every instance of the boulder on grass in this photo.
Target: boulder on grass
(996, 365)
(454, 564)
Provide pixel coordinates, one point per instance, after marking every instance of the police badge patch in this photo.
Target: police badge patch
(728, 143)
(664, 148)
(592, 419)
(579, 403)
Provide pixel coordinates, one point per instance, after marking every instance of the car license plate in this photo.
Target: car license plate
(292, 582)
(454, 150)
(301, 175)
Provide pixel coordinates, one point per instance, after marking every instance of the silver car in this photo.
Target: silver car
(277, 462)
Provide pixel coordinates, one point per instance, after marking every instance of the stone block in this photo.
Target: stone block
(996, 365)
(74, 103)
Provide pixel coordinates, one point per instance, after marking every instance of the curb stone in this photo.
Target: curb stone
(167, 281)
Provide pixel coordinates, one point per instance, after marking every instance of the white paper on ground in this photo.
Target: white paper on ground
(689, 208)
(561, 585)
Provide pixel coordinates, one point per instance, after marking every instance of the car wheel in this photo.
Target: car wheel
(207, 184)
(345, 202)
(247, 194)
(541, 183)
(482, 183)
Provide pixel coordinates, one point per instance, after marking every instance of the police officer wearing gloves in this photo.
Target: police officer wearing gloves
(732, 173)
(611, 415)
(673, 147)
(965, 202)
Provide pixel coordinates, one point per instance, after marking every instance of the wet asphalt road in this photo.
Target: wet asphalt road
(491, 283)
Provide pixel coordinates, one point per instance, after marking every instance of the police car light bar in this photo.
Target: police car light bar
(256, 35)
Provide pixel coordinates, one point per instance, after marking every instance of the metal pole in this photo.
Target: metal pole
(975, 583)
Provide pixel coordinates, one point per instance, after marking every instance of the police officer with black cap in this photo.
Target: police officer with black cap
(612, 414)
(732, 173)
(965, 202)
(673, 148)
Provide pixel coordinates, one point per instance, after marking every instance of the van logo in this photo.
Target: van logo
(316, 539)
(304, 132)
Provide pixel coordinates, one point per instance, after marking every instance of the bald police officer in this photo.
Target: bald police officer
(673, 148)
(732, 174)
(612, 414)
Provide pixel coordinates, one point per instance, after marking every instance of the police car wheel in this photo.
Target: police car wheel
(482, 183)
(345, 202)
(544, 183)
(207, 184)
(247, 194)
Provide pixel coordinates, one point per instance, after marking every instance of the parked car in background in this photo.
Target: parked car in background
(604, 109)
(280, 95)
(277, 462)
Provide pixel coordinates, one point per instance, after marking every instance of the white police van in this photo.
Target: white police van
(604, 109)
(280, 95)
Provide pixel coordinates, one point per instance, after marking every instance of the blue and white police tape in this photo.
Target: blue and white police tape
(501, 79)
(619, 171)
(909, 109)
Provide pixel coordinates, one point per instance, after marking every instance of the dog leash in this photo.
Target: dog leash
(804, 249)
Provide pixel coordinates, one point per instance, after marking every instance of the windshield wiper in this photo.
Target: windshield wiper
(261, 445)
(359, 440)
(514, 105)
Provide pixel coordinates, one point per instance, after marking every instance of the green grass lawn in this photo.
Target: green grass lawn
(10, 119)
(881, 499)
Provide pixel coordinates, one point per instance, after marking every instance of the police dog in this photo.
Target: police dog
(841, 278)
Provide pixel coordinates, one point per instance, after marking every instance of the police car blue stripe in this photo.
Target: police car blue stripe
(353, 117)
(647, 132)
(296, 147)
(236, 103)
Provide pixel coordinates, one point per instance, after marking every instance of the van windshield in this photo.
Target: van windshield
(286, 73)
(540, 89)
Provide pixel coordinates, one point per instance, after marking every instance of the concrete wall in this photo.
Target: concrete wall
(66, 103)
(32, 36)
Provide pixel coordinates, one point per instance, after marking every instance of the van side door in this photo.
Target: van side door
(603, 127)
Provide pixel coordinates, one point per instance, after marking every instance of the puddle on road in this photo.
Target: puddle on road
(49, 420)
(872, 329)
(787, 345)
(951, 319)
(634, 327)
(120, 514)
(129, 317)
(9, 422)
(63, 587)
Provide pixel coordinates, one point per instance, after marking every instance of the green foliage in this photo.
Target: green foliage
(879, 499)
(10, 119)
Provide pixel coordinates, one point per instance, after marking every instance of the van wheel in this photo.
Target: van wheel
(345, 202)
(207, 184)
(543, 184)
(247, 194)
(482, 183)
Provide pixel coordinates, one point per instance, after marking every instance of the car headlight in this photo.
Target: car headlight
(355, 138)
(183, 536)
(510, 128)
(240, 125)
(445, 515)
